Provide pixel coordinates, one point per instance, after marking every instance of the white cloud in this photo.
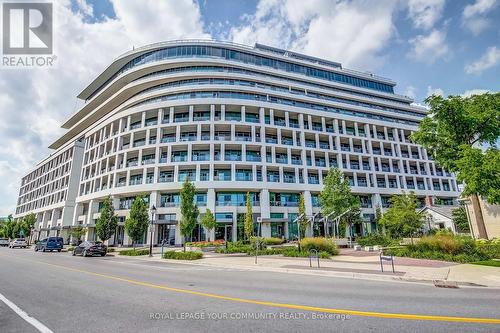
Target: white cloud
(425, 13)
(434, 91)
(469, 93)
(351, 32)
(34, 102)
(411, 92)
(429, 48)
(474, 15)
(489, 59)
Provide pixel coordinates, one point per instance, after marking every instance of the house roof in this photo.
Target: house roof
(446, 211)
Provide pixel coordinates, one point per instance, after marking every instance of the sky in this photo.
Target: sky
(426, 46)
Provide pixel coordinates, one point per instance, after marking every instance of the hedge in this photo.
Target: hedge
(188, 255)
(134, 252)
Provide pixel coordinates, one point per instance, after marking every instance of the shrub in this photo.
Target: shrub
(237, 247)
(448, 247)
(319, 244)
(375, 239)
(111, 249)
(215, 243)
(266, 241)
(134, 252)
(71, 248)
(188, 255)
(294, 252)
(492, 250)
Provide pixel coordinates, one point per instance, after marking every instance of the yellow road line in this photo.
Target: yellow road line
(282, 305)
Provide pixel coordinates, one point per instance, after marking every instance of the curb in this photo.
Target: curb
(336, 274)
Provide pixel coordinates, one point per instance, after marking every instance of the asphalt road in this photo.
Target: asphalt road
(113, 294)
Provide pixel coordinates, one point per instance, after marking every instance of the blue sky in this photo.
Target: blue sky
(426, 46)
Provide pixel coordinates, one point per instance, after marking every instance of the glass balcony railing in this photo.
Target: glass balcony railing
(253, 158)
(296, 161)
(166, 139)
(273, 178)
(244, 177)
(313, 180)
(282, 160)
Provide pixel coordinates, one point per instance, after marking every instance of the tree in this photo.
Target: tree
(336, 197)
(459, 216)
(208, 221)
(137, 223)
(78, 232)
(303, 221)
(107, 222)
(453, 133)
(248, 218)
(378, 218)
(402, 217)
(189, 211)
(27, 223)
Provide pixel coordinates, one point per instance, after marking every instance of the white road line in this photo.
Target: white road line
(35, 323)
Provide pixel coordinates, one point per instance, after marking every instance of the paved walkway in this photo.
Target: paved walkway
(357, 265)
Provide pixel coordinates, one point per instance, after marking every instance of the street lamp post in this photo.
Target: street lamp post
(153, 212)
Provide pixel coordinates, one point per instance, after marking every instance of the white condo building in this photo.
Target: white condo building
(233, 119)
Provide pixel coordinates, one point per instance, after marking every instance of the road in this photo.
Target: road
(72, 294)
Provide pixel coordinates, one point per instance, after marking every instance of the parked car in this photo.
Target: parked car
(18, 242)
(89, 248)
(4, 242)
(49, 244)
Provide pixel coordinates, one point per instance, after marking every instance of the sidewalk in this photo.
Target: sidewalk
(355, 265)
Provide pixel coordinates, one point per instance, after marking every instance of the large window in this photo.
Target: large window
(253, 59)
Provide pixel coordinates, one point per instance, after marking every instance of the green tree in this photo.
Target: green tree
(336, 196)
(137, 222)
(453, 133)
(107, 222)
(378, 218)
(28, 224)
(402, 218)
(248, 218)
(459, 216)
(303, 220)
(208, 221)
(78, 232)
(189, 211)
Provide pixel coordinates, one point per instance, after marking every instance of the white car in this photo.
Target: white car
(4, 242)
(18, 242)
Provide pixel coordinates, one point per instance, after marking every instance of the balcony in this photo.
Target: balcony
(222, 177)
(222, 136)
(179, 158)
(324, 145)
(241, 137)
(273, 178)
(166, 139)
(132, 164)
(200, 157)
(188, 137)
(283, 203)
(136, 181)
(293, 123)
(151, 122)
(253, 158)
(282, 160)
(244, 177)
(148, 161)
(271, 140)
(313, 180)
(345, 148)
(232, 157)
(320, 163)
(287, 141)
(289, 179)
(280, 122)
(296, 161)
(310, 144)
(135, 125)
(251, 118)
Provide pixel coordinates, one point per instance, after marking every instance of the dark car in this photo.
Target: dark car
(89, 248)
(49, 244)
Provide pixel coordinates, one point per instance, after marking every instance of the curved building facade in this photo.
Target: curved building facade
(236, 119)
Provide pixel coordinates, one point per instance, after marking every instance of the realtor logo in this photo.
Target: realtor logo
(27, 28)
